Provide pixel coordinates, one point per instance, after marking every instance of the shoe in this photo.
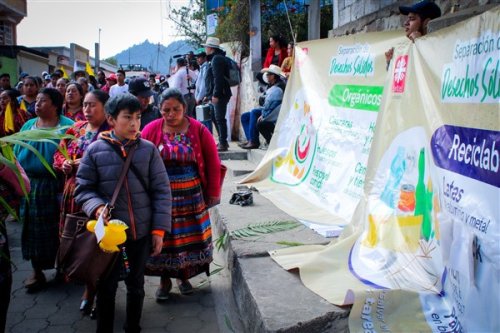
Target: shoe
(163, 292)
(35, 284)
(222, 147)
(185, 288)
(161, 295)
(241, 144)
(35, 280)
(86, 307)
(250, 145)
(60, 277)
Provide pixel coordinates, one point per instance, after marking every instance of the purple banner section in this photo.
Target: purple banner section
(472, 152)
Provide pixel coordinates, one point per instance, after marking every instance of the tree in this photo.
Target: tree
(233, 25)
(190, 21)
(112, 61)
(275, 20)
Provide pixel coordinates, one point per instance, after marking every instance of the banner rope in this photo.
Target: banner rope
(290, 23)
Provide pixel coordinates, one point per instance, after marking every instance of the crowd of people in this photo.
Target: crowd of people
(173, 179)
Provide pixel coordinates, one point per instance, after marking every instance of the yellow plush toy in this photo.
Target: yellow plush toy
(114, 234)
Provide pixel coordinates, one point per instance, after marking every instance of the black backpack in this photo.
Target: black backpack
(234, 78)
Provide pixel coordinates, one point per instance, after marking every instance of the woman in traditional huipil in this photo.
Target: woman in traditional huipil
(193, 165)
(84, 132)
(40, 213)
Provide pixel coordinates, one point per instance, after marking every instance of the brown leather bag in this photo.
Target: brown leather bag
(79, 255)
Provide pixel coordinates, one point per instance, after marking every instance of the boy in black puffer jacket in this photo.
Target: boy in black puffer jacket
(143, 203)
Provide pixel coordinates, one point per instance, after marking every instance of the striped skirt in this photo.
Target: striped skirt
(187, 250)
(40, 216)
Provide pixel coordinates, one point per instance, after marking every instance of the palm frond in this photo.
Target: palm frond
(255, 230)
(286, 243)
(7, 156)
(228, 324)
(8, 209)
(212, 273)
(34, 151)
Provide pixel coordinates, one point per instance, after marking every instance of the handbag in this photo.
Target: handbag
(79, 255)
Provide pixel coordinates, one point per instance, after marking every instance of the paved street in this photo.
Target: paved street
(55, 309)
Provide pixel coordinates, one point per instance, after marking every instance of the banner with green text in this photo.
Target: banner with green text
(316, 163)
(423, 249)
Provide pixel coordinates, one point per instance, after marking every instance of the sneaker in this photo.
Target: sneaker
(185, 288)
(162, 292)
(161, 295)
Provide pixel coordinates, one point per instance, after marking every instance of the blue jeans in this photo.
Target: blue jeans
(249, 124)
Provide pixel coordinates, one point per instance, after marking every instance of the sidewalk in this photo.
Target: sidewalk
(56, 309)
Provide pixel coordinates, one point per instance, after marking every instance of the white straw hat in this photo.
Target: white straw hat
(274, 69)
(212, 42)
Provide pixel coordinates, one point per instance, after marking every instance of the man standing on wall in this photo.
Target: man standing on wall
(218, 89)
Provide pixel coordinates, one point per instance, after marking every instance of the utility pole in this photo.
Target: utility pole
(255, 35)
(313, 20)
(97, 63)
(157, 56)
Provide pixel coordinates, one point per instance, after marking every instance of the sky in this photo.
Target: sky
(123, 23)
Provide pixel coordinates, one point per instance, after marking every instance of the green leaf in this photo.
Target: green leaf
(228, 323)
(286, 243)
(8, 208)
(258, 229)
(34, 151)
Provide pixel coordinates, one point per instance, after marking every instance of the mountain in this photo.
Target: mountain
(154, 57)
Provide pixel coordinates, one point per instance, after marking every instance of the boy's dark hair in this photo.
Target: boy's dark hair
(172, 93)
(5, 75)
(56, 98)
(121, 71)
(125, 101)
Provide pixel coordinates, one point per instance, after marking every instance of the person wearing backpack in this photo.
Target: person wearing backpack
(218, 88)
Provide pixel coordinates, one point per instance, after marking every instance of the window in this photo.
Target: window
(6, 35)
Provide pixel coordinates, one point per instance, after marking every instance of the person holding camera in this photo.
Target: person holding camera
(200, 92)
(184, 79)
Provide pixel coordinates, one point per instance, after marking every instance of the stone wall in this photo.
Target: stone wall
(354, 16)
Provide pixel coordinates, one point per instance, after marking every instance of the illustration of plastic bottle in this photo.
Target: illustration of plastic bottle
(391, 189)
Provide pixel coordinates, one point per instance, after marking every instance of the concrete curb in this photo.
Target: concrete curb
(268, 298)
